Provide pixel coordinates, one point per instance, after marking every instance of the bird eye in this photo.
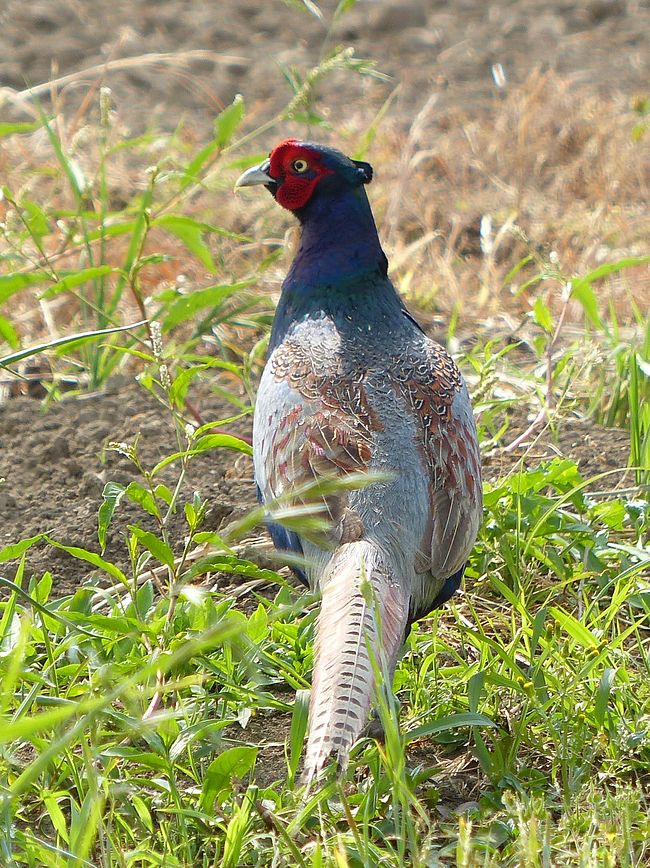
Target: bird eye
(300, 166)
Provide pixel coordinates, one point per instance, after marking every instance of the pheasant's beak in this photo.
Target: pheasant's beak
(257, 175)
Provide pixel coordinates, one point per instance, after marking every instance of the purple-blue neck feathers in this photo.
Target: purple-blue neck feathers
(339, 268)
(339, 240)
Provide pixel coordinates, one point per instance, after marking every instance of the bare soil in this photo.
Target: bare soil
(56, 464)
(424, 45)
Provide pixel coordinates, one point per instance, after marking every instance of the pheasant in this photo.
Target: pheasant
(353, 385)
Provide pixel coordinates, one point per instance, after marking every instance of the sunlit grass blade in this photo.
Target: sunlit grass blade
(68, 341)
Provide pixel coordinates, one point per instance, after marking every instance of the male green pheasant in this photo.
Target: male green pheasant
(353, 385)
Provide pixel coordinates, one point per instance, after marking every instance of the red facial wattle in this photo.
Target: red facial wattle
(295, 188)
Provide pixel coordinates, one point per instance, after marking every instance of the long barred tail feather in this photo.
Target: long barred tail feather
(358, 586)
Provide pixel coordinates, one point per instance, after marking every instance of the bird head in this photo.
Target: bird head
(297, 172)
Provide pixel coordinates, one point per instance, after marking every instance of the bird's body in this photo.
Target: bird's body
(353, 385)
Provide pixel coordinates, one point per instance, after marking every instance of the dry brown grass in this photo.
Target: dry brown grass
(557, 162)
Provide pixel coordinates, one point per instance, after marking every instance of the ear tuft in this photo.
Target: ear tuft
(364, 170)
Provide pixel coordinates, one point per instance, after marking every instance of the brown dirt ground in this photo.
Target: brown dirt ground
(448, 46)
(56, 464)
(52, 463)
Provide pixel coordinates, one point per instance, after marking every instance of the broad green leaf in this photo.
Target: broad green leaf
(221, 441)
(145, 758)
(299, 720)
(539, 622)
(43, 588)
(143, 497)
(226, 123)
(210, 441)
(602, 695)
(164, 493)
(91, 558)
(258, 625)
(610, 512)
(8, 129)
(234, 762)
(8, 333)
(142, 811)
(583, 291)
(12, 283)
(574, 628)
(542, 315)
(452, 721)
(57, 818)
(187, 306)
(13, 552)
(191, 233)
(112, 494)
(83, 827)
(158, 548)
(202, 730)
(475, 689)
(144, 598)
(220, 563)
(77, 278)
(181, 384)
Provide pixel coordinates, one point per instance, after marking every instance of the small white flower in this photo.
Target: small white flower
(487, 243)
(165, 379)
(499, 76)
(105, 105)
(155, 332)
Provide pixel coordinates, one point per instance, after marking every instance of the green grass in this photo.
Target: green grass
(138, 721)
(122, 739)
